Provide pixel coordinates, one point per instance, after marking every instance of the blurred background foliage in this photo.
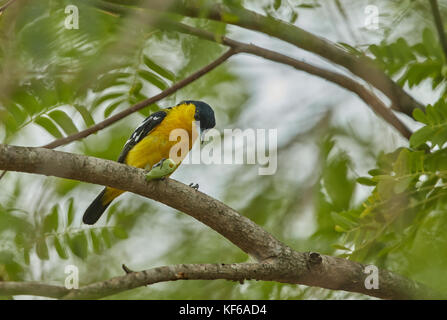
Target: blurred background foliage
(346, 183)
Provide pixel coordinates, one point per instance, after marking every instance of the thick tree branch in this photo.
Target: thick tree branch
(362, 66)
(439, 25)
(290, 266)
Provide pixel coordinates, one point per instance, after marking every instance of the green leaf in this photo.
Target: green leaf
(110, 80)
(376, 172)
(337, 183)
(61, 251)
(88, 119)
(106, 97)
(42, 249)
(340, 229)
(402, 184)
(376, 51)
(51, 221)
(308, 5)
(64, 121)
(96, 242)
(158, 69)
(108, 111)
(366, 181)
(421, 136)
(343, 221)
(419, 115)
(340, 247)
(27, 100)
(440, 136)
(277, 4)
(136, 88)
(70, 212)
(18, 113)
(385, 187)
(120, 233)
(26, 256)
(105, 233)
(49, 126)
(153, 78)
(14, 271)
(293, 17)
(64, 92)
(431, 43)
(79, 245)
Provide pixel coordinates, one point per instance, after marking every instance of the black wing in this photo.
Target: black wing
(141, 132)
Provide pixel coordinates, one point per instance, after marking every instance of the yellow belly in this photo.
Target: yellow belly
(148, 152)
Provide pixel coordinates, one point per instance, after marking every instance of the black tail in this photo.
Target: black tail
(95, 210)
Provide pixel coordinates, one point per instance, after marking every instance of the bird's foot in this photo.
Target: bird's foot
(194, 186)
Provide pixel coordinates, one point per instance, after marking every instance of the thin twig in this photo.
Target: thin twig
(439, 25)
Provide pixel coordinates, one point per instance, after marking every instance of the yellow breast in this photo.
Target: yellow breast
(157, 144)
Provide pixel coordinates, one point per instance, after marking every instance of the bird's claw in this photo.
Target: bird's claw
(194, 186)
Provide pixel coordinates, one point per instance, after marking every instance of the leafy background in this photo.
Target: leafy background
(346, 184)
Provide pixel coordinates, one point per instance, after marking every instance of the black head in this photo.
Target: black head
(204, 114)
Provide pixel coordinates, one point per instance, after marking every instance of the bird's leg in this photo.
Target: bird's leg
(194, 186)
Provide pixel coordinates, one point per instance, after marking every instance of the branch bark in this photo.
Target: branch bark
(277, 261)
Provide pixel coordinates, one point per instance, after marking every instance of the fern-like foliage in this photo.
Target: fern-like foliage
(412, 64)
(56, 233)
(409, 186)
(435, 130)
(50, 83)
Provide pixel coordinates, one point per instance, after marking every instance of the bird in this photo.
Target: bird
(150, 144)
